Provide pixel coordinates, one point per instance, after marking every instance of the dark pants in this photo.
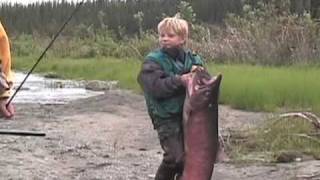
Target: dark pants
(171, 141)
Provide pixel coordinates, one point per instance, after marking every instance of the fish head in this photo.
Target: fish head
(203, 88)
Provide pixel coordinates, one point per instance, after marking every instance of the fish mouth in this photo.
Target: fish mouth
(214, 80)
(203, 83)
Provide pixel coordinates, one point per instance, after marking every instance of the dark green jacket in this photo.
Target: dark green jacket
(163, 89)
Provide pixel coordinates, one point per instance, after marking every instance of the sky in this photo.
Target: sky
(31, 1)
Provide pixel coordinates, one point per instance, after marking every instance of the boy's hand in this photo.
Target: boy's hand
(194, 67)
(185, 78)
(6, 111)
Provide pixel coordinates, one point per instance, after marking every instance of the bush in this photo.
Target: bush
(24, 45)
(268, 35)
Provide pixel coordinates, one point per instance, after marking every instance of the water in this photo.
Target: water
(38, 89)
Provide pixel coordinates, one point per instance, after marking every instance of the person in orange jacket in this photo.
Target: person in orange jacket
(6, 81)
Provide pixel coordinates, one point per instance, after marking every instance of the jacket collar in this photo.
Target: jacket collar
(175, 53)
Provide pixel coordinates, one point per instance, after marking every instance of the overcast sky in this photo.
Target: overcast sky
(31, 1)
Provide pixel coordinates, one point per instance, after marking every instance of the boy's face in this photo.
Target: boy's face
(169, 39)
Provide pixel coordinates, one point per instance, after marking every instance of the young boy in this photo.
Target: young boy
(5, 75)
(162, 78)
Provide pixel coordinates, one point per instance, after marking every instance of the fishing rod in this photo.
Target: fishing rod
(21, 133)
(44, 52)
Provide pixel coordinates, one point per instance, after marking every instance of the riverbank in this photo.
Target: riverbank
(110, 137)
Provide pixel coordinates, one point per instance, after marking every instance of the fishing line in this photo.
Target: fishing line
(44, 52)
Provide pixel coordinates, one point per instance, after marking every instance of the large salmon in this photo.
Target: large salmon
(200, 123)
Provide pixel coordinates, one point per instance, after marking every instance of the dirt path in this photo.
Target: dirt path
(110, 137)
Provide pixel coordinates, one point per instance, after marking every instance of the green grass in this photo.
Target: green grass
(269, 88)
(86, 69)
(245, 87)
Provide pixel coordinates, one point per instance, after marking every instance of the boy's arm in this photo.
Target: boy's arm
(156, 82)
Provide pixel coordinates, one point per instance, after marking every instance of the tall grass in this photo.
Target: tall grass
(102, 44)
(245, 87)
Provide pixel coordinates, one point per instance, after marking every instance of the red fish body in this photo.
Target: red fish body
(201, 125)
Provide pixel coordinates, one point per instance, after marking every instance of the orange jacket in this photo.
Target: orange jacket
(5, 57)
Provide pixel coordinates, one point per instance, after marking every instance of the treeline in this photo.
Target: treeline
(272, 32)
(121, 16)
(117, 15)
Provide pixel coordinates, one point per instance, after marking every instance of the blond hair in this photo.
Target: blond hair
(176, 25)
